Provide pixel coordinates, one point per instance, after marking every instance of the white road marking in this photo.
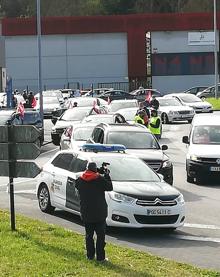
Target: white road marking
(201, 226)
(196, 238)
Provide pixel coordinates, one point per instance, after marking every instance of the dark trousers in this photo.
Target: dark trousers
(99, 229)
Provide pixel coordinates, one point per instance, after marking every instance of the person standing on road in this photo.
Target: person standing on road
(154, 103)
(155, 124)
(93, 207)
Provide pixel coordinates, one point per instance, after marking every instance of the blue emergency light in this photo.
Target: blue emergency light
(97, 147)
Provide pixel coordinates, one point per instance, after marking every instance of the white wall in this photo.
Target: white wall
(84, 58)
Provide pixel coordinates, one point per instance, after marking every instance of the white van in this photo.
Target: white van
(203, 156)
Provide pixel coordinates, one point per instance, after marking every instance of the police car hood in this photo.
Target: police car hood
(141, 189)
(204, 150)
(148, 154)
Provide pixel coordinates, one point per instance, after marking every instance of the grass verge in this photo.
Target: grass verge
(215, 103)
(39, 249)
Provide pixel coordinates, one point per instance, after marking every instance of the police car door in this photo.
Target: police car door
(77, 166)
(60, 175)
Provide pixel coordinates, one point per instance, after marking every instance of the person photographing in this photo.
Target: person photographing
(93, 207)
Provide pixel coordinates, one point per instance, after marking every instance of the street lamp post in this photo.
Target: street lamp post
(39, 58)
(216, 51)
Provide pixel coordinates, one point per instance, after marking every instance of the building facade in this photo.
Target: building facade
(107, 49)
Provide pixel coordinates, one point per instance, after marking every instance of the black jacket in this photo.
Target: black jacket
(92, 187)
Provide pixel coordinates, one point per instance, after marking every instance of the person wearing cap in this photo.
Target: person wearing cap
(154, 103)
(91, 186)
(155, 124)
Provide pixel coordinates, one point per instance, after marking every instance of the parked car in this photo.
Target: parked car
(31, 117)
(116, 105)
(203, 153)
(3, 99)
(172, 110)
(104, 118)
(50, 104)
(192, 101)
(69, 117)
(81, 102)
(140, 198)
(76, 135)
(52, 93)
(96, 92)
(140, 94)
(138, 140)
(116, 95)
(208, 92)
(195, 90)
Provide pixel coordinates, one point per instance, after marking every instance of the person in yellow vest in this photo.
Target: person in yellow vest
(155, 124)
(141, 118)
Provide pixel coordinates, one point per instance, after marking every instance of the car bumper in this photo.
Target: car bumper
(180, 117)
(135, 216)
(202, 170)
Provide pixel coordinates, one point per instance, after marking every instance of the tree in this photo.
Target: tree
(118, 6)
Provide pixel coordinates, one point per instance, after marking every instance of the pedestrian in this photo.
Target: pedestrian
(154, 103)
(93, 207)
(155, 124)
(141, 118)
(30, 99)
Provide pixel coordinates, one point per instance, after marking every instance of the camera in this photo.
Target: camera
(103, 169)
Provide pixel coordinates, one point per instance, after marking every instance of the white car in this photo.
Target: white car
(116, 105)
(203, 156)
(172, 110)
(192, 101)
(69, 117)
(140, 197)
(76, 135)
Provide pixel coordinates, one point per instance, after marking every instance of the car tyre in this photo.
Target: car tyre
(165, 119)
(44, 199)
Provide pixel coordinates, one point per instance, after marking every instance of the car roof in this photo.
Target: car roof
(206, 119)
(124, 127)
(122, 101)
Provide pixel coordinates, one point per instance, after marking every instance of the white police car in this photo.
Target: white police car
(140, 197)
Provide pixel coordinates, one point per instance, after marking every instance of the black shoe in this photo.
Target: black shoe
(90, 258)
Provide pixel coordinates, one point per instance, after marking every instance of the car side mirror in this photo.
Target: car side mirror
(164, 147)
(185, 139)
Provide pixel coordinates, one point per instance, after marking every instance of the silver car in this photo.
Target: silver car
(172, 110)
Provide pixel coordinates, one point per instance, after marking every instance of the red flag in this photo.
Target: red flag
(20, 110)
(34, 103)
(148, 96)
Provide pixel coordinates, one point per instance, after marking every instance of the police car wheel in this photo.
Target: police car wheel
(44, 199)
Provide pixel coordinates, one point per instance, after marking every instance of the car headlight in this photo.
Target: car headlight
(195, 158)
(167, 163)
(180, 199)
(121, 198)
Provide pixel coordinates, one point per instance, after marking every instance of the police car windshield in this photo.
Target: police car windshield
(127, 169)
(133, 140)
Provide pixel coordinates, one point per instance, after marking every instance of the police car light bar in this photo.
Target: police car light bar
(97, 147)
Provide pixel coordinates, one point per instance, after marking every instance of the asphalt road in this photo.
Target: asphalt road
(197, 243)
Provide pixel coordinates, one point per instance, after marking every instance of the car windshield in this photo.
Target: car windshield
(50, 100)
(169, 102)
(133, 140)
(99, 119)
(31, 118)
(128, 169)
(82, 133)
(114, 106)
(189, 98)
(74, 114)
(206, 135)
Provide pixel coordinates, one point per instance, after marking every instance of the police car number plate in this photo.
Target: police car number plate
(215, 168)
(158, 212)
